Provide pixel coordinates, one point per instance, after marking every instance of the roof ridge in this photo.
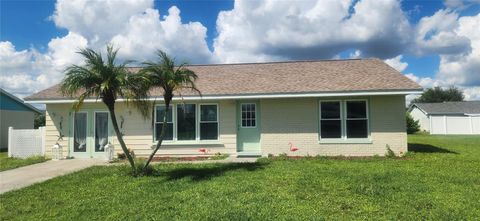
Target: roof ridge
(445, 102)
(277, 62)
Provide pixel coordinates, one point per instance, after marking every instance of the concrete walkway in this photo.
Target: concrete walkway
(28, 175)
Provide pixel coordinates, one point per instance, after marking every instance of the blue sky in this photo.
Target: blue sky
(40, 36)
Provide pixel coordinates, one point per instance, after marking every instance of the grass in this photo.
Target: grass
(8, 163)
(438, 180)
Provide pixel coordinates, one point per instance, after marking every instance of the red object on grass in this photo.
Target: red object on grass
(293, 148)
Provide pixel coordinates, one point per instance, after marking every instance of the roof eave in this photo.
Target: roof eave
(252, 96)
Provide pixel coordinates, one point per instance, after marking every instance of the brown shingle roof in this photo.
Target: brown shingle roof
(286, 77)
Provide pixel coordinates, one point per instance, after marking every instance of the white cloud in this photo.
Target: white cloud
(254, 31)
(98, 21)
(63, 51)
(436, 34)
(460, 4)
(397, 63)
(272, 30)
(28, 71)
(356, 54)
(146, 32)
(463, 69)
(131, 25)
(470, 92)
(12, 60)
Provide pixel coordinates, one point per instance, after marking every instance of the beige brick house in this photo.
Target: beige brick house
(335, 107)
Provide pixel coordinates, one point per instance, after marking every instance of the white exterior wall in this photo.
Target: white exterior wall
(297, 120)
(282, 121)
(422, 118)
(139, 131)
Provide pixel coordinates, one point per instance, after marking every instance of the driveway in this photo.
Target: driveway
(28, 175)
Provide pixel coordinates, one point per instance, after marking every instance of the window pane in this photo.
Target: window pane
(356, 109)
(330, 110)
(357, 129)
(208, 131)
(330, 129)
(186, 121)
(101, 131)
(168, 131)
(161, 113)
(208, 113)
(248, 115)
(80, 133)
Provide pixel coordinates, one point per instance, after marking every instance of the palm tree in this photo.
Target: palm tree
(106, 80)
(171, 79)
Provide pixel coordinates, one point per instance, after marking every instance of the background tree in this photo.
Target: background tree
(106, 80)
(164, 74)
(413, 125)
(437, 95)
(39, 120)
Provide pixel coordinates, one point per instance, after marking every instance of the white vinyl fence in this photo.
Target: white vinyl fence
(24, 143)
(454, 124)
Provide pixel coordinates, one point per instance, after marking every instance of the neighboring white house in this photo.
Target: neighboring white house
(448, 117)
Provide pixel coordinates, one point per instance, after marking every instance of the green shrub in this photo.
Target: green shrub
(412, 125)
(282, 156)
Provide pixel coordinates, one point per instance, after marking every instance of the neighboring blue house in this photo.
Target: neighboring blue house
(14, 113)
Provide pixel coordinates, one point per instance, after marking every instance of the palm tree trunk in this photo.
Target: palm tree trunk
(111, 109)
(162, 136)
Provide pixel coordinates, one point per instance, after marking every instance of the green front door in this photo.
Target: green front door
(248, 127)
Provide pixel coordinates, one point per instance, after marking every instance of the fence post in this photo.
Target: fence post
(10, 144)
(43, 133)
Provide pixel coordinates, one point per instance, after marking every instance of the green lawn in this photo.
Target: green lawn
(7, 163)
(439, 181)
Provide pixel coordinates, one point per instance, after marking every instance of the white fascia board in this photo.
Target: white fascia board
(253, 96)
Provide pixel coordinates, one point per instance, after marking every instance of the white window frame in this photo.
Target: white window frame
(241, 116)
(200, 121)
(155, 122)
(343, 118)
(197, 137)
(197, 140)
(366, 117)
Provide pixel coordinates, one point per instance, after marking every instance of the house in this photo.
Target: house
(14, 113)
(448, 117)
(335, 107)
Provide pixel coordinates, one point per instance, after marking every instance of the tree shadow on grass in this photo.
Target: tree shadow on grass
(427, 148)
(206, 173)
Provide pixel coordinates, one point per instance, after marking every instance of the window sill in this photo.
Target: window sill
(192, 142)
(345, 141)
